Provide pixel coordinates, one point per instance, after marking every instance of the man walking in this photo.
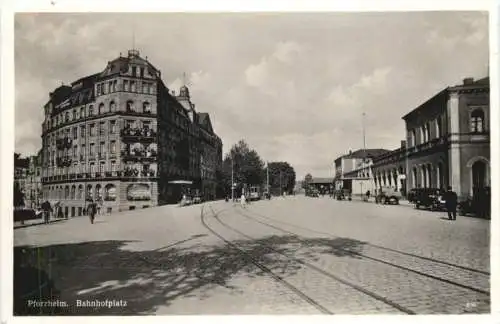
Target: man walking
(451, 202)
(91, 210)
(47, 209)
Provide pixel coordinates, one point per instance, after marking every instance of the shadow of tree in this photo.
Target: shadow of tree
(148, 279)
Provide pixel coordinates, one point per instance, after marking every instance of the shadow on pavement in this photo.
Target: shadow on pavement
(103, 270)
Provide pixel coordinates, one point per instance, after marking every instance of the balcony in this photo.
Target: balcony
(63, 161)
(430, 145)
(138, 135)
(134, 172)
(139, 156)
(63, 143)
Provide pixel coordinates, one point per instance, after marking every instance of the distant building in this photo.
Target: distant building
(449, 140)
(28, 175)
(321, 184)
(120, 135)
(353, 170)
(389, 169)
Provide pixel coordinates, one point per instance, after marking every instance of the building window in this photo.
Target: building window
(92, 149)
(130, 106)
(82, 132)
(82, 112)
(113, 147)
(112, 127)
(132, 86)
(92, 130)
(142, 72)
(146, 107)
(101, 128)
(110, 86)
(112, 106)
(113, 166)
(114, 86)
(101, 108)
(125, 85)
(91, 110)
(477, 121)
(75, 132)
(427, 132)
(74, 114)
(101, 148)
(66, 117)
(110, 192)
(438, 127)
(98, 89)
(134, 71)
(73, 192)
(75, 150)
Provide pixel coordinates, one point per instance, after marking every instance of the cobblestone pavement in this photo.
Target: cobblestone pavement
(293, 255)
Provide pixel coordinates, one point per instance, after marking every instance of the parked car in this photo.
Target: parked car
(388, 195)
(25, 214)
(430, 198)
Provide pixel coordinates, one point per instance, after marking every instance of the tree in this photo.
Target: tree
(281, 176)
(18, 195)
(246, 164)
(307, 181)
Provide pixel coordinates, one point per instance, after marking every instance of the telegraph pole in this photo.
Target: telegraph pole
(232, 178)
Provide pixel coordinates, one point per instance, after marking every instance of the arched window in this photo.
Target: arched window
(98, 192)
(438, 127)
(413, 138)
(110, 192)
(80, 192)
(112, 106)
(130, 106)
(73, 192)
(66, 192)
(89, 194)
(101, 108)
(91, 110)
(477, 121)
(66, 117)
(82, 112)
(146, 107)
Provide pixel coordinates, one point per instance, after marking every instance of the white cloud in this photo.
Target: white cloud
(296, 92)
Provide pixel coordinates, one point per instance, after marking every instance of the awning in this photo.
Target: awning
(186, 182)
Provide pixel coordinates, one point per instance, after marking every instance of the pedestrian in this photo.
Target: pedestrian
(451, 200)
(243, 200)
(47, 209)
(91, 210)
(100, 206)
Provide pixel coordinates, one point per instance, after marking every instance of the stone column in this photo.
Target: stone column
(454, 165)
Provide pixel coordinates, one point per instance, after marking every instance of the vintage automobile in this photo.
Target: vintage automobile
(22, 214)
(197, 199)
(430, 198)
(387, 195)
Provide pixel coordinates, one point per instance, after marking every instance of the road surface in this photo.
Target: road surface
(293, 255)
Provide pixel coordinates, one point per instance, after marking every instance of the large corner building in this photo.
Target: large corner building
(123, 136)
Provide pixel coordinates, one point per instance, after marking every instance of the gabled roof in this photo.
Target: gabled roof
(204, 121)
(321, 180)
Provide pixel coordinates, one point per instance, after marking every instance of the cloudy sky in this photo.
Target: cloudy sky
(294, 86)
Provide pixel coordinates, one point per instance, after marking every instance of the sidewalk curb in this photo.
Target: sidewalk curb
(40, 223)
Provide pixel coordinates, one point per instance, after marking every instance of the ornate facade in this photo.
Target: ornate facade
(448, 139)
(120, 136)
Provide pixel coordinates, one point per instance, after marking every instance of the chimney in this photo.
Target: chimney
(403, 144)
(468, 81)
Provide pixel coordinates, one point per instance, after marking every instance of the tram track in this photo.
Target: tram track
(378, 260)
(421, 257)
(311, 266)
(264, 268)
